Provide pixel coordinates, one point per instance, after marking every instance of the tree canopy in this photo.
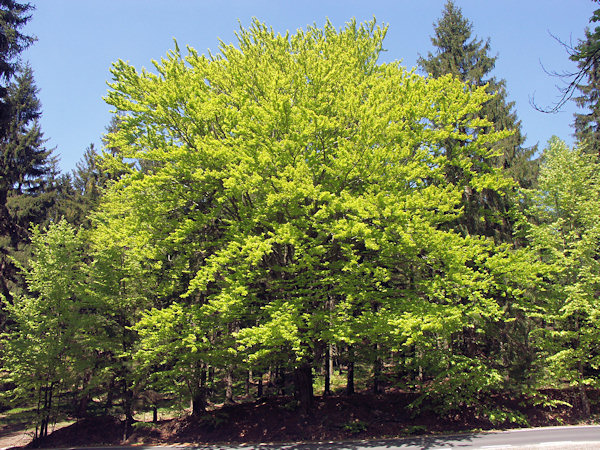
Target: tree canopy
(303, 206)
(288, 201)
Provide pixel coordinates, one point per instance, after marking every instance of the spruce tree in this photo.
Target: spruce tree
(25, 163)
(587, 82)
(469, 59)
(487, 212)
(13, 16)
(88, 181)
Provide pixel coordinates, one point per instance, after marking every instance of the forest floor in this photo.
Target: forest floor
(338, 417)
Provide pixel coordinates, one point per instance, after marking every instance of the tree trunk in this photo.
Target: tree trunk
(199, 394)
(350, 373)
(229, 386)
(199, 403)
(585, 401)
(303, 386)
(109, 394)
(280, 380)
(259, 386)
(377, 365)
(328, 365)
(248, 382)
(128, 410)
(84, 400)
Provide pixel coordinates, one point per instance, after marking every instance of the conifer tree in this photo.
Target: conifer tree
(487, 212)
(587, 82)
(79, 192)
(470, 61)
(25, 164)
(13, 16)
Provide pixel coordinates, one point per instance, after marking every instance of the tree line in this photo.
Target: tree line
(291, 206)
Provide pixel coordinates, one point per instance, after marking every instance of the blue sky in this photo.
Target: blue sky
(78, 40)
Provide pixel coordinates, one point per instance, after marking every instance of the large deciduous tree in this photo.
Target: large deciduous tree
(290, 193)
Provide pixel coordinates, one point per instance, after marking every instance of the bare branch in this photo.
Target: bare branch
(568, 91)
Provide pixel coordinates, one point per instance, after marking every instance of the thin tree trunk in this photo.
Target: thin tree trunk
(85, 396)
(199, 394)
(328, 366)
(248, 382)
(259, 386)
(128, 409)
(109, 394)
(585, 401)
(377, 365)
(229, 386)
(281, 380)
(350, 373)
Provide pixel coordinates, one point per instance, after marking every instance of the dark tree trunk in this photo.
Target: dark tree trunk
(154, 414)
(199, 395)
(350, 374)
(377, 366)
(328, 370)
(303, 386)
(585, 401)
(84, 400)
(128, 410)
(109, 394)
(281, 380)
(199, 402)
(259, 386)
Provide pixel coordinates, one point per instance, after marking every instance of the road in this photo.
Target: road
(580, 437)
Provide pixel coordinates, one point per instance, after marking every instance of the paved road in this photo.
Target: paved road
(584, 437)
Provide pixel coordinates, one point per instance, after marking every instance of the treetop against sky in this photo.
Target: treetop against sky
(78, 42)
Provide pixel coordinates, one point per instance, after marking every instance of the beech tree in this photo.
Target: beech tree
(292, 195)
(565, 235)
(56, 336)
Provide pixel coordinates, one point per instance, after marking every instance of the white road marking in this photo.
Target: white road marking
(555, 443)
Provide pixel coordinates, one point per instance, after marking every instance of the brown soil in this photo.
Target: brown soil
(360, 416)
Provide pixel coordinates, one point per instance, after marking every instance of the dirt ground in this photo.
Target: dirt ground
(18, 435)
(277, 419)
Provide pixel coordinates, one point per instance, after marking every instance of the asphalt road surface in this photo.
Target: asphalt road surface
(581, 437)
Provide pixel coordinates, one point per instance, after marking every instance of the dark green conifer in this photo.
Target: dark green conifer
(469, 59)
(25, 164)
(13, 16)
(487, 212)
(587, 82)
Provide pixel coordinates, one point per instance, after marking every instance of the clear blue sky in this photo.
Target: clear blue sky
(79, 39)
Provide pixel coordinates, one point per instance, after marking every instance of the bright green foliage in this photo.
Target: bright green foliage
(56, 338)
(567, 238)
(486, 212)
(297, 196)
(489, 212)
